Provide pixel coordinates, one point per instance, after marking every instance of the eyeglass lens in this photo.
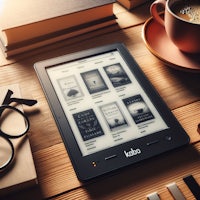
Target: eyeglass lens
(6, 152)
(12, 122)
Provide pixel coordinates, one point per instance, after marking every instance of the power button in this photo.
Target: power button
(168, 137)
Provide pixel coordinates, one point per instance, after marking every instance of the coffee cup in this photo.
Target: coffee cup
(181, 21)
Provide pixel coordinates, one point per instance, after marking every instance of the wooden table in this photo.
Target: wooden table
(56, 177)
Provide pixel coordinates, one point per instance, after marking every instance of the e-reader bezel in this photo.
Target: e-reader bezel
(113, 158)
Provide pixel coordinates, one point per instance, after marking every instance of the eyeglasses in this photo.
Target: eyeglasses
(10, 117)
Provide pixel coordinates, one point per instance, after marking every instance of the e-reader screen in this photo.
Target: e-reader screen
(103, 102)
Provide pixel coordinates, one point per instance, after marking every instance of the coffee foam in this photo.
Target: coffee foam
(193, 13)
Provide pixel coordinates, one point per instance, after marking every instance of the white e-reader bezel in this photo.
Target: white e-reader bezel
(108, 113)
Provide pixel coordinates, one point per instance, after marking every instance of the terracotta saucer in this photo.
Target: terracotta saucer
(160, 45)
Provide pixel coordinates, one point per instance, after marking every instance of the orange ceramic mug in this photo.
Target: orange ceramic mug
(181, 22)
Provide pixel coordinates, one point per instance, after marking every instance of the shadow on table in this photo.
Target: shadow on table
(32, 193)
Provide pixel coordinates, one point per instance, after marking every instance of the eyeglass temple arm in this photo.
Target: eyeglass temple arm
(8, 100)
(28, 102)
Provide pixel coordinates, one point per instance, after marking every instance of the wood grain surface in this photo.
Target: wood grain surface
(56, 177)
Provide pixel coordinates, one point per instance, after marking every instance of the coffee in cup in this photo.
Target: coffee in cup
(181, 22)
(189, 10)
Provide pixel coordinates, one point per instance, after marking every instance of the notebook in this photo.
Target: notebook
(21, 173)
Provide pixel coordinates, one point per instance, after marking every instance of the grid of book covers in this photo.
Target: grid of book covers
(103, 102)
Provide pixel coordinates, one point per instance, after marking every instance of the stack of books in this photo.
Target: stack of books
(130, 4)
(26, 25)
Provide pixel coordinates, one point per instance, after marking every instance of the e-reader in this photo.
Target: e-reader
(108, 113)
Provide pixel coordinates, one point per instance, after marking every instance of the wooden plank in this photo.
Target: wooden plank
(55, 170)
(189, 117)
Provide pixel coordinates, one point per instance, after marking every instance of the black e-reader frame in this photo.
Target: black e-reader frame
(108, 113)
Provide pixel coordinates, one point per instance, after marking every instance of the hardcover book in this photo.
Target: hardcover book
(35, 23)
(130, 4)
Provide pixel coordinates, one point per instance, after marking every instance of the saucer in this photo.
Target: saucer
(160, 45)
